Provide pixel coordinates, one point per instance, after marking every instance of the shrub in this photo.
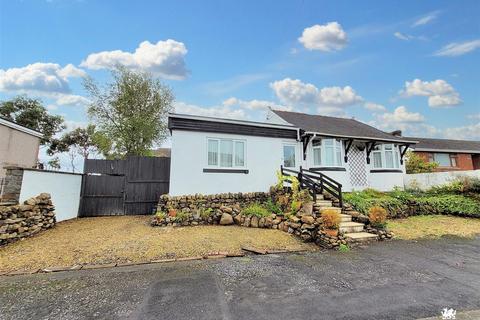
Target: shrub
(182, 216)
(295, 206)
(448, 204)
(416, 164)
(256, 210)
(160, 215)
(206, 213)
(172, 212)
(343, 248)
(377, 216)
(395, 204)
(304, 196)
(331, 219)
(273, 207)
(283, 201)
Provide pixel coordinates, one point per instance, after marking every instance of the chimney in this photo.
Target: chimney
(396, 133)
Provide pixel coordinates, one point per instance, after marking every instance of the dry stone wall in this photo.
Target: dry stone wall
(19, 221)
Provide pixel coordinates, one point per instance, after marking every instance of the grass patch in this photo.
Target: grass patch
(433, 226)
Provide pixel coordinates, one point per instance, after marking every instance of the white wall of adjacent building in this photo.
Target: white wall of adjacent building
(64, 189)
(425, 181)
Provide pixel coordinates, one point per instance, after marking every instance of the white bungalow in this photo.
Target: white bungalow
(213, 155)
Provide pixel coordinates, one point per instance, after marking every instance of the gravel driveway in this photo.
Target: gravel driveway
(394, 280)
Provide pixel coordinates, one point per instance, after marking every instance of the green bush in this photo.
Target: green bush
(182, 216)
(160, 215)
(449, 204)
(273, 207)
(256, 210)
(398, 203)
(343, 248)
(206, 213)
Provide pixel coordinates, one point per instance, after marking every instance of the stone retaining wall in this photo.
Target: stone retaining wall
(226, 209)
(23, 220)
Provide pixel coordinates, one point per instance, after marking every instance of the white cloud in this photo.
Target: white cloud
(426, 19)
(328, 100)
(328, 37)
(439, 92)
(219, 111)
(457, 49)
(401, 115)
(402, 36)
(71, 100)
(254, 104)
(469, 132)
(374, 107)
(39, 78)
(164, 59)
(475, 116)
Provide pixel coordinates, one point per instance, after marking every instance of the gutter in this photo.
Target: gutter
(360, 138)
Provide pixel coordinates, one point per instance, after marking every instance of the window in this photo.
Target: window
(327, 152)
(386, 156)
(225, 153)
(288, 156)
(444, 159)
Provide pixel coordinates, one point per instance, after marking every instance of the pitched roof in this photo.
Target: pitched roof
(16, 126)
(337, 127)
(466, 146)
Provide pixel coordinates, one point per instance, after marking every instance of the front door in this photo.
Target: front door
(358, 168)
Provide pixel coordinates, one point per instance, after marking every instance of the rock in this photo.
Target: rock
(238, 219)
(254, 222)
(261, 223)
(246, 223)
(226, 209)
(226, 219)
(308, 219)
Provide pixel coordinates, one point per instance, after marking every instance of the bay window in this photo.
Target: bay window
(327, 153)
(386, 156)
(225, 153)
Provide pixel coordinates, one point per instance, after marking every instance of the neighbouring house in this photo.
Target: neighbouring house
(18, 145)
(213, 155)
(451, 155)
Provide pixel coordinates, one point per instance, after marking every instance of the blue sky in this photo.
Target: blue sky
(410, 65)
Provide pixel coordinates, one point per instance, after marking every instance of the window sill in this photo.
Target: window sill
(214, 170)
(328, 169)
(386, 171)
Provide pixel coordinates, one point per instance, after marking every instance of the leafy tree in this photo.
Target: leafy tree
(416, 164)
(130, 112)
(31, 114)
(53, 164)
(81, 141)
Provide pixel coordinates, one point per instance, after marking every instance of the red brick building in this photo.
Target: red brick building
(451, 155)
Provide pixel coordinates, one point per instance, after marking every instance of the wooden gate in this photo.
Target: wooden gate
(123, 187)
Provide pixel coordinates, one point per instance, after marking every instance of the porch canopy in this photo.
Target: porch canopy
(349, 130)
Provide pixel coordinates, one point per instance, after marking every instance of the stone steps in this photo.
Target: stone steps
(361, 236)
(346, 217)
(339, 210)
(323, 203)
(350, 227)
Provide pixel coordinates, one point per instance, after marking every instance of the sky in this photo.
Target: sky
(409, 65)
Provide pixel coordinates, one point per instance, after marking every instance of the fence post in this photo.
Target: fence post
(299, 176)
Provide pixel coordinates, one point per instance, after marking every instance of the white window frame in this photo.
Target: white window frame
(286, 144)
(382, 151)
(218, 166)
(336, 143)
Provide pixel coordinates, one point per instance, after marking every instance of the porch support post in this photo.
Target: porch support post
(305, 140)
(369, 148)
(402, 152)
(347, 148)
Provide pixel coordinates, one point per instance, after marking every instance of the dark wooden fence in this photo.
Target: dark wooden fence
(123, 187)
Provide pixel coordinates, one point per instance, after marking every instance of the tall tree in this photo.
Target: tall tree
(80, 141)
(130, 111)
(32, 114)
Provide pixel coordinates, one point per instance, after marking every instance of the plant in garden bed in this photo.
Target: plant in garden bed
(205, 213)
(330, 221)
(295, 207)
(256, 210)
(378, 217)
(343, 248)
(306, 200)
(182, 216)
(273, 207)
(160, 216)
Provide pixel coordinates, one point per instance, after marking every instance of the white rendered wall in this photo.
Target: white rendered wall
(427, 180)
(63, 187)
(263, 157)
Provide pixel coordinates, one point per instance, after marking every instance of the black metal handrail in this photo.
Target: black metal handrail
(316, 182)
